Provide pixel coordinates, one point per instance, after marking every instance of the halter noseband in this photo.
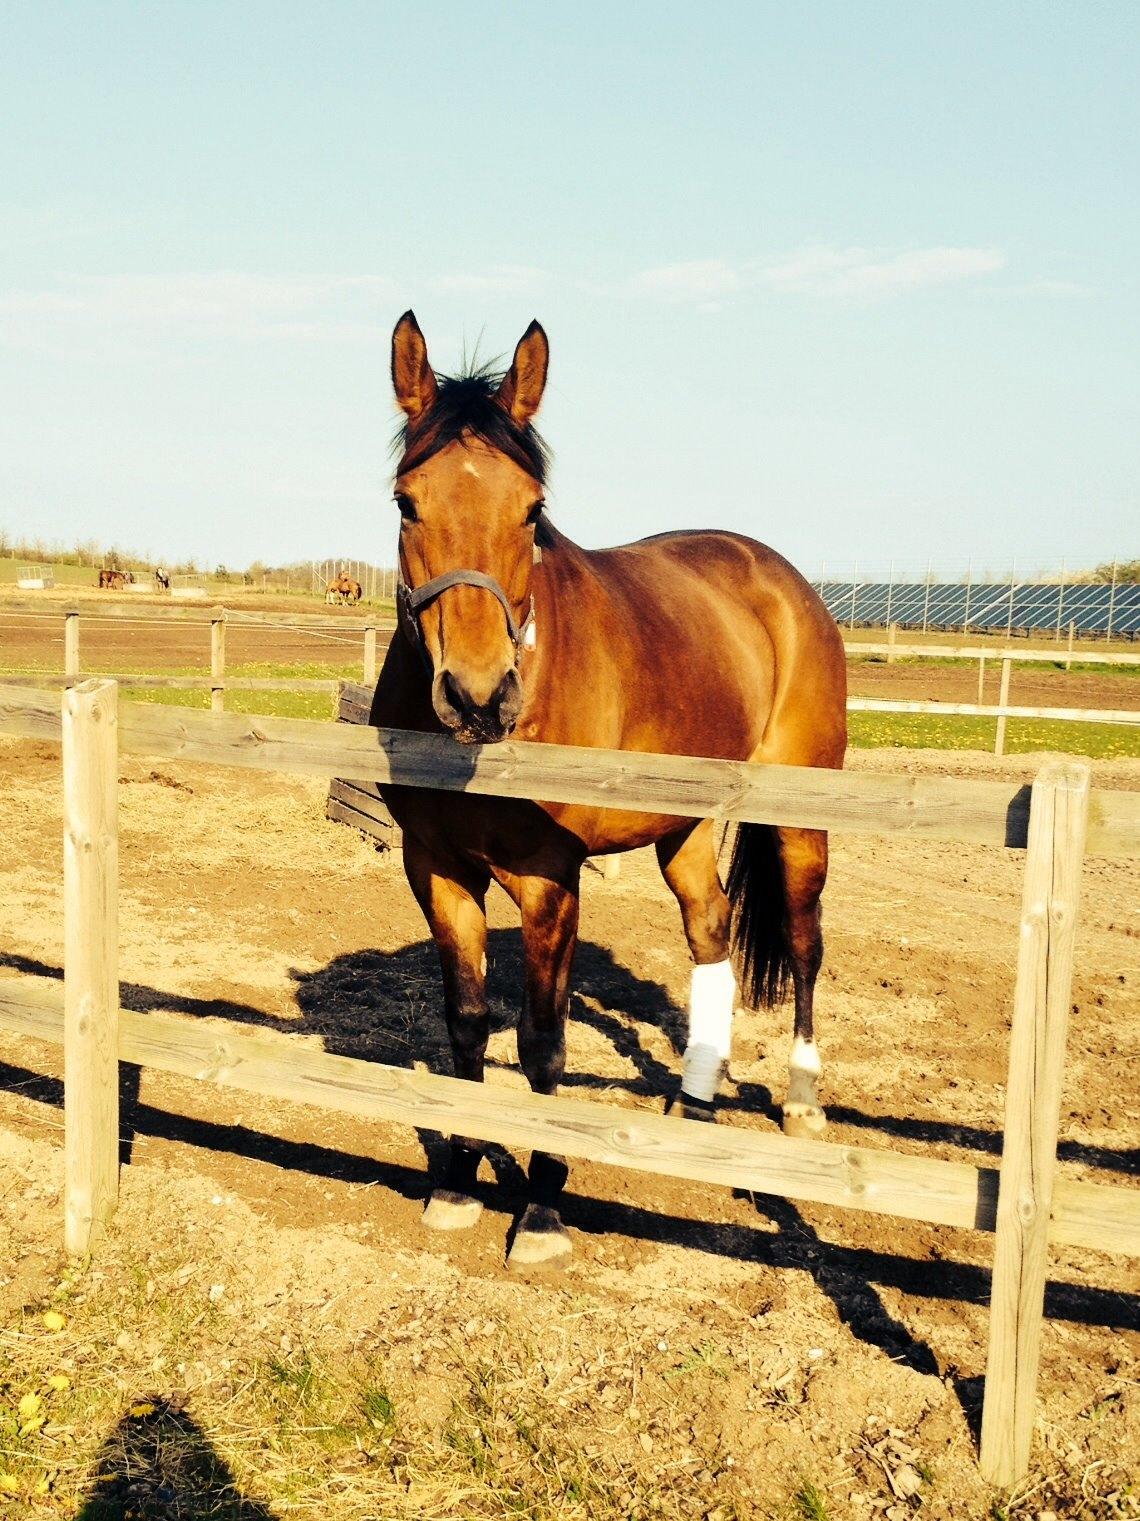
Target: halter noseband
(411, 599)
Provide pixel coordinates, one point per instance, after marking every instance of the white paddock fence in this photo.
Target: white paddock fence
(1025, 1203)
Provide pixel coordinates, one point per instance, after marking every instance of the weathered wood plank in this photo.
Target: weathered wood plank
(1033, 1102)
(1103, 1217)
(1037, 655)
(189, 683)
(97, 610)
(218, 661)
(993, 710)
(91, 956)
(938, 808)
(358, 809)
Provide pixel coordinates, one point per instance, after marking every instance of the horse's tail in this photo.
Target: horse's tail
(759, 937)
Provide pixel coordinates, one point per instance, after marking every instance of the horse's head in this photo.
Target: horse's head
(469, 492)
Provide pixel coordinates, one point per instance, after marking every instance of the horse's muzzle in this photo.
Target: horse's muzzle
(473, 722)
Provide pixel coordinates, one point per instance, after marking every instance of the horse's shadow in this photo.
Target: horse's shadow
(387, 1007)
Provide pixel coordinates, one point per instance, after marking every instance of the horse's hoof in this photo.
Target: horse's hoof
(683, 1106)
(542, 1242)
(806, 1121)
(449, 1211)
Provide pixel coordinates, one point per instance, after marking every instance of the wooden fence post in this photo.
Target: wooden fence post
(218, 659)
(981, 679)
(1069, 657)
(91, 960)
(892, 634)
(370, 656)
(1058, 821)
(1003, 701)
(71, 643)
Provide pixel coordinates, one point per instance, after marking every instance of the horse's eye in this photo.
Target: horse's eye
(407, 507)
(535, 512)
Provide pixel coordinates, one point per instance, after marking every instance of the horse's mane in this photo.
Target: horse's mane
(468, 404)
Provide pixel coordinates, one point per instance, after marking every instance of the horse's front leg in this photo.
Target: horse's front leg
(550, 934)
(452, 896)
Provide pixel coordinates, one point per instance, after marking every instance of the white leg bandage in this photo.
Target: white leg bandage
(712, 997)
(803, 1073)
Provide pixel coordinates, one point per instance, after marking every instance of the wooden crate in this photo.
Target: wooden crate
(359, 804)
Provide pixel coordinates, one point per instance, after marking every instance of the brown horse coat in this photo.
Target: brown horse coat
(699, 643)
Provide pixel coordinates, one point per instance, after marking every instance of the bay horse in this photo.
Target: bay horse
(344, 590)
(693, 643)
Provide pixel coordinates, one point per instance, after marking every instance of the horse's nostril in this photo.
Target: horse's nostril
(507, 701)
(459, 708)
(453, 693)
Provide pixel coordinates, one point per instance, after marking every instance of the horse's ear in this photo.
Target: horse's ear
(525, 381)
(412, 376)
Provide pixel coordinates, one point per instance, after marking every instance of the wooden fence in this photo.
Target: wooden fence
(981, 653)
(218, 683)
(1024, 1204)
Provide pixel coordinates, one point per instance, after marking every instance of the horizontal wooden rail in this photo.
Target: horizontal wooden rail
(933, 1190)
(1047, 656)
(186, 683)
(993, 710)
(328, 684)
(201, 612)
(935, 808)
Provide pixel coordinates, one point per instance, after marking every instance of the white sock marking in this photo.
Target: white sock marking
(712, 997)
(803, 1072)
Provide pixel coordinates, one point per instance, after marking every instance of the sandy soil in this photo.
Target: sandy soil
(728, 1348)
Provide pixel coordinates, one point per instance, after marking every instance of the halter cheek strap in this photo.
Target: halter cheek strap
(411, 600)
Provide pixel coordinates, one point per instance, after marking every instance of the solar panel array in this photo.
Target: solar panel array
(953, 607)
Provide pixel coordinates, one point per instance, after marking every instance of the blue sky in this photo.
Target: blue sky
(860, 280)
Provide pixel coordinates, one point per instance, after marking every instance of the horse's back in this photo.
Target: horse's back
(734, 647)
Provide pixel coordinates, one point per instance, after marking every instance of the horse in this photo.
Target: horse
(688, 643)
(111, 580)
(351, 591)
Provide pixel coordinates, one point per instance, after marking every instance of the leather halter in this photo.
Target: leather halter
(411, 599)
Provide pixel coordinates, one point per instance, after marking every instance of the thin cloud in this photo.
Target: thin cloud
(500, 279)
(834, 272)
(695, 280)
(217, 304)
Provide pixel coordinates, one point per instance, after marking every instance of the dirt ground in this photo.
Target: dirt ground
(35, 642)
(706, 1354)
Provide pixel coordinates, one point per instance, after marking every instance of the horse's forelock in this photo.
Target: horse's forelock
(468, 405)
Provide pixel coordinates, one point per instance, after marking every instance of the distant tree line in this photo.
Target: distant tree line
(296, 576)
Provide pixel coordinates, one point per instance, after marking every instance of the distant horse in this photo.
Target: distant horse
(161, 580)
(112, 580)
(344, 590)
(698, 643)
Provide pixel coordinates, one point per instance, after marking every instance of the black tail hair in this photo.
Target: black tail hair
(756, 891)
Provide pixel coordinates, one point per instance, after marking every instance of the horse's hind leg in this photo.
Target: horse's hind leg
(803, 855)
(550, 934)
(688, 864)
(452, 898)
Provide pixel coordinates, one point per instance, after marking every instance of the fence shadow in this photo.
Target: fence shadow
(387, 1007)
(158, 1462)
(850, 1276)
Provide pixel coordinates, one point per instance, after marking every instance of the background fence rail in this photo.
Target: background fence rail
(218, 683)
